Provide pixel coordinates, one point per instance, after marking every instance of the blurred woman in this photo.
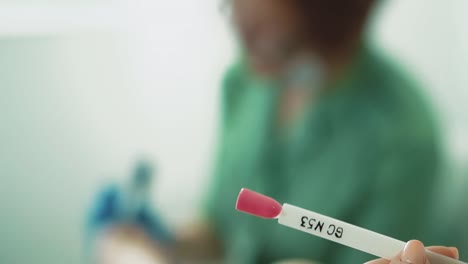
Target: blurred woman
(314, 116)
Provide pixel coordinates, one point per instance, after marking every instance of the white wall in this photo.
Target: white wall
(180, 51)
(431, 38)
(79, 106)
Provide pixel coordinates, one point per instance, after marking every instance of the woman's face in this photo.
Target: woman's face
(270, 32)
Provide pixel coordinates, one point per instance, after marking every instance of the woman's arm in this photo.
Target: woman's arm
(195, 243)
(198, 242)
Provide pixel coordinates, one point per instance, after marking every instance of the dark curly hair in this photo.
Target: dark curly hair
(333, 24)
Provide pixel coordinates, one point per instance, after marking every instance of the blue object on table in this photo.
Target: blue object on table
(128, 204)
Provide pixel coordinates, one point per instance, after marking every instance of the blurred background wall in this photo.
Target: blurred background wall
(88, 87)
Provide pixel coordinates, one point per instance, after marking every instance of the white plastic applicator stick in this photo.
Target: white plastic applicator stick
(328, 228)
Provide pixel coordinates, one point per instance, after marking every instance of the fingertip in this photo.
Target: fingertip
(455, 252)
(415, 243)
(414, 252)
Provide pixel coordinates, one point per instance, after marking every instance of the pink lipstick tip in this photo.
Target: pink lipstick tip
(258, 204)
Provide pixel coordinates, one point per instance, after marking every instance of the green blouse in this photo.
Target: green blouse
(366, 153)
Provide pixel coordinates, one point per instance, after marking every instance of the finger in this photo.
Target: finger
(414, 252)
(395, 260)
(451, 252)
(446, 251)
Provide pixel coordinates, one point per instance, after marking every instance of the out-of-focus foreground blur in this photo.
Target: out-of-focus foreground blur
(87, 87)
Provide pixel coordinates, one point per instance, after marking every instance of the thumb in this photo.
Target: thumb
(414, 253)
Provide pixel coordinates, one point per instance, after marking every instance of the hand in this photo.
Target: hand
(125, 244)
(414, 253)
